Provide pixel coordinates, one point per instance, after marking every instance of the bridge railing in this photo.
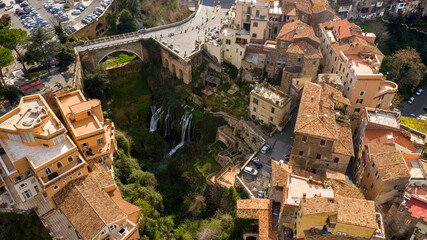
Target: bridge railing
(135, 34)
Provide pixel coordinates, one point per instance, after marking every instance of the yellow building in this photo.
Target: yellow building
(339, 216)
(94, 135)
(252, 16)
(268, 105)
(36, 153)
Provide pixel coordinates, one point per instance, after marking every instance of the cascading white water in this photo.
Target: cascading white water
(166, 124)
(185, 130)
(154, 117)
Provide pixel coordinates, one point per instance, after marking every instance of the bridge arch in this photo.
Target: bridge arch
(118, 50)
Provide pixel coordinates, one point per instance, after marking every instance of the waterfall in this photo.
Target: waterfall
(154, 117)
(167, 124)
(185, 130)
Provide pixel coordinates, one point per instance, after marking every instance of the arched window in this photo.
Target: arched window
(48, 171)
(55, 188)
(59, 165)
(99, 26)
(70, 159)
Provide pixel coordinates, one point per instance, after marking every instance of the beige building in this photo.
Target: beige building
(352, 54)
(252, 17)
(94, 135)
(36, 153)
(268, 105)
(323, 138)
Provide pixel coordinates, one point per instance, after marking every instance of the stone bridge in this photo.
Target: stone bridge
(177, 40)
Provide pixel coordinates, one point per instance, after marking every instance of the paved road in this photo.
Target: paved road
(281, 142)
(207, 17)
(417, 107)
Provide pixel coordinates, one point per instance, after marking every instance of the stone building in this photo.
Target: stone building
(352, 54)
(268, 105)
(323, 138)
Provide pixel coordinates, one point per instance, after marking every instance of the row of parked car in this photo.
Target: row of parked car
(30, 18)
(418, 93)
(56, 11)
(97, 12)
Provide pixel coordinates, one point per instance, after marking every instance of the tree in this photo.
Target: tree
(134, 7)
(6, 58)
(66, 57)
(14, 39)
(97, 84)
(9, 92)
(40, 47)
(406, 69)
(59, 31)
(127, 22)
(112, 21)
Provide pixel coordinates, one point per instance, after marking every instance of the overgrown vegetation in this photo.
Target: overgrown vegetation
(118, 58)
(22, 226)
(417, 124)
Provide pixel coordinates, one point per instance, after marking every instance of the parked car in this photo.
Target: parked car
(81, 9)
(260, 194)
(265, 148)
(257, 162)
(411, 100)
(2, 5)
(75, 12)
(418, 93)
(85, 21)
(23, 4)
(425, 108)
(19, 1)
(250, 171)
(9, 7)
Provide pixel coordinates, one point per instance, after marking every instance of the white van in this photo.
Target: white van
(250, 170)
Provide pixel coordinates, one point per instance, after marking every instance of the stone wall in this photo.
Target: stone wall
(177, 66)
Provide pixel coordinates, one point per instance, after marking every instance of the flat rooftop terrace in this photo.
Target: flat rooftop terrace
(390, 119)
(298, 186)
(37, 155)
(361, 66)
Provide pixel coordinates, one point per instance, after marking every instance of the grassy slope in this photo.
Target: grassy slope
(417, 124)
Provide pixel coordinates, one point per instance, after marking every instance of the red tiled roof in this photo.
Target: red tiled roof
(344, 29)
(417, 208)
(388, 136)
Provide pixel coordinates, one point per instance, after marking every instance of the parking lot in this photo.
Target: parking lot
(281, 145)
(47, 14)
(416, 108)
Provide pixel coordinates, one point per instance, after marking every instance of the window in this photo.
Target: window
(378, 106)
(71, 178)
(395, 187)
(64, 182)
(280, 56)
(348, 89)
(84, 145)
(272, 110)
(381, 97)
(70, 159)
(372, 185)
(112, 227)
(300, 153)
(304, 138)
(271, 119)
(407, 221)
(377, 175)
(55, 188)
(27, 194)
(330, 51)
(254, 109)
(33, 181)
(255, 24)
(254, 100)
(227, 41)
(314, 62)
(59, 165)
(79, 161)
(351, 80)
(254, 35)
(369, 174)
(356, 110)
(62, 138)
(362, 93)
(359, 101)
(48, 171)
(55, 141)
(335, 59)
(336, 160)
(299, 59)
(373, 164)
(30, 134)
(22, 186)
(257, 13)
(318, 156)
(11, 137)
(322, 142)
(345, 83)
(100, 141)
(18, 138)
(79, 174)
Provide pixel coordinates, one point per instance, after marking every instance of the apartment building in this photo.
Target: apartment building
(268, 105)
(252, 16)
(323, 138)
(36, 154)
(279, 14)
(355, 218)
(405, 216)
(259, 209)
(93, 210)
(352, 54)
(298, 48)
(94, 135)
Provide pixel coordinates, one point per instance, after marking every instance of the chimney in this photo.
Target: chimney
(312, 98)
(304, 197)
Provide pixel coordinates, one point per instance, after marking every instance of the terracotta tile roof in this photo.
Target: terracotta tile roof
(289, 10)
(304, 48)
(257, 208)
(343, 189)
(87, 205)
(417, 208)
(297, 30)
(126, 207)
(329, 237)
(344, 29)
(390, 164)
(316, 117)
(318, 205)
(375, 148)
(359, 212)
(356, 44)
(388, 136)
(280, 173)
(330, 174)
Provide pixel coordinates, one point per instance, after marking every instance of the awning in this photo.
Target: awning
(18, 73)
(25, 87)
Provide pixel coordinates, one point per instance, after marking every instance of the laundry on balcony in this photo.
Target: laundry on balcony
(89, 152)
